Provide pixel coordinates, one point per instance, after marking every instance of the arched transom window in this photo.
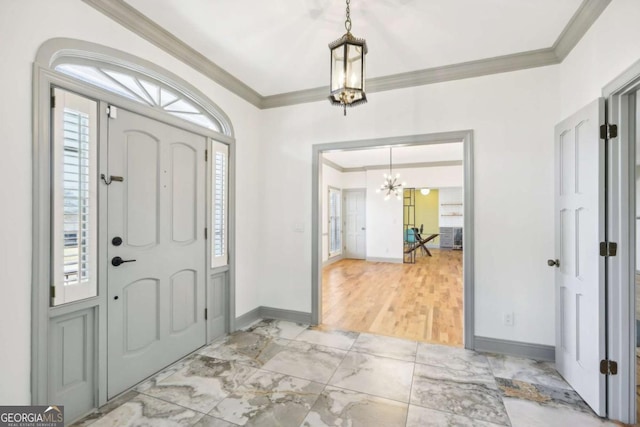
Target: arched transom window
(140, 88)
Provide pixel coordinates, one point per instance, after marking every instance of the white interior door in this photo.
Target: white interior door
(156, 302)
(355, 224)
(579, 278)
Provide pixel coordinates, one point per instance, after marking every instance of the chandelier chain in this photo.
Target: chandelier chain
(347, 23)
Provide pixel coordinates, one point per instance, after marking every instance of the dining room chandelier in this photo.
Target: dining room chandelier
(391, 185)
(348, 68)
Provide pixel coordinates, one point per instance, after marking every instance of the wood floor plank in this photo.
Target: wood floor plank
(421, 301)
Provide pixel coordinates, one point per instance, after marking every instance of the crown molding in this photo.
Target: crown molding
(332, 165)
(408, 166)
(464, 70)
(588, 12)
(132, 19)
(140, 24)
(342, 169)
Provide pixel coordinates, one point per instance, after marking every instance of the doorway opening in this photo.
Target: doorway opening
(429, 300)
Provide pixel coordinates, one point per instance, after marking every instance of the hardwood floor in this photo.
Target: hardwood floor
(421, 301)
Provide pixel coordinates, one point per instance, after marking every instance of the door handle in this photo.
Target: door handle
(551, 262)
(116, 261)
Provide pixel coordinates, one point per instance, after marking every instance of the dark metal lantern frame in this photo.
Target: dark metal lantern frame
(345, 95)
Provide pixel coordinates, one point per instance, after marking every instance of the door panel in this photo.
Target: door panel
(140, 158)
(355, 224)
(155, 303)
(184, 289)
(579, 219)
(141, 322)
(184, 162)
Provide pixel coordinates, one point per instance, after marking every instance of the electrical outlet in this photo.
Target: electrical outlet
(508, 319)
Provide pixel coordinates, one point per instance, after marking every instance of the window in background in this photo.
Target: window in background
(335, 221)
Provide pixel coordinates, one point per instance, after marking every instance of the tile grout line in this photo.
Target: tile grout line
(413, 373)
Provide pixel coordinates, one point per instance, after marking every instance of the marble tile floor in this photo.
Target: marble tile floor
(277, 373)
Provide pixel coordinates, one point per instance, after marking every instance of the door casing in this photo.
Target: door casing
(44, 79)
(464, 136)
(621, 228)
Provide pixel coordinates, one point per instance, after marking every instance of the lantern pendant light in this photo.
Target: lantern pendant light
(348, 68)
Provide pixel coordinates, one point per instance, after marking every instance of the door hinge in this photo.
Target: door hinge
(206, 155)
(608, 248)
(608, 367)
(53, 291)
(206, 233)
(53, 101)
(206, 313)
(608, 131)
(112, 112)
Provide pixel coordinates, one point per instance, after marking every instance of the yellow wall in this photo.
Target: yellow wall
(427, 213)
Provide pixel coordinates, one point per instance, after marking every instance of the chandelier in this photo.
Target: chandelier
(348, 68)
(391, 185)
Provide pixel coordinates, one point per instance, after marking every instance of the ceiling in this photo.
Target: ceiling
(415, 154)
(280, 46)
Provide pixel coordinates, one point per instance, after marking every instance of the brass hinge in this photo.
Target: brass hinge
(608, 367)
(608, 248)
(608, 131)
(205, 314)
(53, 291)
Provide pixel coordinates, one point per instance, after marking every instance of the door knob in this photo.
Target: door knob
(551, 262)
(116, 241)
(116, 261)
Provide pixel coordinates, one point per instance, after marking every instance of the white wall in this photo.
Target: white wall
(384, 217)
(609, 47)
(512, 115)
(354, 180)
(448, 196)
(24, 26)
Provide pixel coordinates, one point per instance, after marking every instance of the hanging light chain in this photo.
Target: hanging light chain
(347, 23)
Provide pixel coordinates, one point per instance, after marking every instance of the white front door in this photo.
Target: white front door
(579, 277)
(156, 221)
(355, 224)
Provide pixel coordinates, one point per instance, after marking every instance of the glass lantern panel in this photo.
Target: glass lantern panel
(354, 66)
(337, 67)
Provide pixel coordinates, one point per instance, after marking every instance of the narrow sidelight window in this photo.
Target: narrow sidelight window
(220, 201)
(74, 198)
